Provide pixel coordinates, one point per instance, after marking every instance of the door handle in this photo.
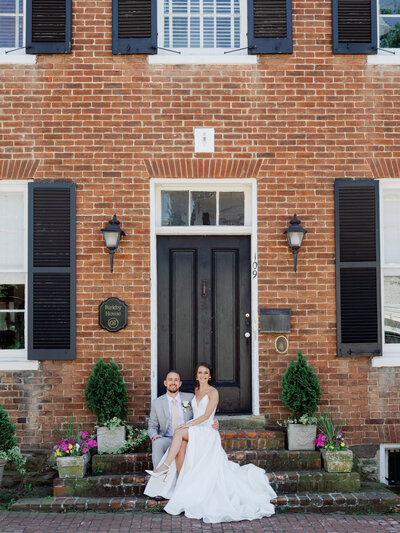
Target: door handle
(204, 288)
(247, 335)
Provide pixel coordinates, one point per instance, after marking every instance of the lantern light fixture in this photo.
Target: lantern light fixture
(112, 235)
(295, 235)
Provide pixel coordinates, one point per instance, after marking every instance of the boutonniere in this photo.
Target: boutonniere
(186, 404)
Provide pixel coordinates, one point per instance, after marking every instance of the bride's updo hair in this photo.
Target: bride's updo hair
(196, 381)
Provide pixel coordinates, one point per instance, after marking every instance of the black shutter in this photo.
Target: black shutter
(354, 26)
(134, 26)
(51, 271)
(48, 26)
(270, 26)
(358, 299)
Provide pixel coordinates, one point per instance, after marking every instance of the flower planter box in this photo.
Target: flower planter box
(110, 440)
(73, 467)
(301, 436)
(2, 465)
(337, 461)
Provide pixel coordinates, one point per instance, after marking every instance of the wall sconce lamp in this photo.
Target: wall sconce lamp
(112, 234)
(295, 235)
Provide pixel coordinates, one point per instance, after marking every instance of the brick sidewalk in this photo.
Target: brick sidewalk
(163, 523)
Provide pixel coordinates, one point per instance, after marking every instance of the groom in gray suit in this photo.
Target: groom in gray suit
(167, 413)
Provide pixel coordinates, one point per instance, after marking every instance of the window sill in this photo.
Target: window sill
(20, 59)
(19, 365)
(383, 59)
(227, 59)
(386, 360)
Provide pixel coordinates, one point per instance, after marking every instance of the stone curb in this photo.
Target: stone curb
(357, 502)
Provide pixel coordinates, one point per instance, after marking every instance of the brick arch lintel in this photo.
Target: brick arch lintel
(203, 168)
(385, 167)
(18, 168)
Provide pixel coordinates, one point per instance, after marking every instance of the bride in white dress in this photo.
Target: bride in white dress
(209, 486)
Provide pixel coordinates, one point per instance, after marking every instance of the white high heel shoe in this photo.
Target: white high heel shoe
(158, 474)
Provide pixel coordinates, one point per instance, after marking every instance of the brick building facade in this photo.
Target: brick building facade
(119, 126)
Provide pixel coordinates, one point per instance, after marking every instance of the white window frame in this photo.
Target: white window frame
(249, 187)
(390, 352)
(384, 450)
(18, 359)
(17, 56)
(202, 51)
(382, 57)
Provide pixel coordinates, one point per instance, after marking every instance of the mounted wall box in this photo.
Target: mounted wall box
(275, 320)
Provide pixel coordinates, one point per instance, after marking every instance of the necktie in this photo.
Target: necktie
(174, 412)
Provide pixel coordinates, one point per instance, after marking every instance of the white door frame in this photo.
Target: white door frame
(250, 184)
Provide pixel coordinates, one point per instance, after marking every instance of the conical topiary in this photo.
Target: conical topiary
(7, 432)
(106, 393)
(300, 388)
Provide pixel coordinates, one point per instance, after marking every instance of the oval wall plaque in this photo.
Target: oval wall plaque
(113, 314)
(281, 344)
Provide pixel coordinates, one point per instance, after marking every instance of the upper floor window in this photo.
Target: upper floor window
(12, 24)
(199, 26)
(389, 25)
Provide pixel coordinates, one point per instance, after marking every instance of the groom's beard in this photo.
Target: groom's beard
(173, 389)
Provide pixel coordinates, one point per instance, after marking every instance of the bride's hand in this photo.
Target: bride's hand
(183, 426)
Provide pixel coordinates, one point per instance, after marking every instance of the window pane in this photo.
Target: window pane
(174, 208)
(223, 32)
(392, 309)
(391, 226)
(203, 208)
(179, 6)
(12, 331)
(7, 32)
(12, 231)
(231, 208)
(180, 32)
(12, 297)
(7, 6)
(223, 6)
(389, 31)
(195, 32)
(389, 7)
(208, 38)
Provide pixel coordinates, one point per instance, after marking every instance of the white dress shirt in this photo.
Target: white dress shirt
(179, 408)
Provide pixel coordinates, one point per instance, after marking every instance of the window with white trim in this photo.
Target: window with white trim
(389, 25)
(390, 265)
(202, 26)
(13, 271)
(12, 26)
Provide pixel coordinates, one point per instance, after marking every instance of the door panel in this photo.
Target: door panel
(203, 297)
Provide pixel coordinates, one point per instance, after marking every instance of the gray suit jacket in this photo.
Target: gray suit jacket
(159, 414)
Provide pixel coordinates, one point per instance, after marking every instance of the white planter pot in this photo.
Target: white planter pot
(73, 467)
(2, 465)
(110, 440)
(301, 436)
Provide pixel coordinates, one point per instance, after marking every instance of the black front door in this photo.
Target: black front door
(204, 303)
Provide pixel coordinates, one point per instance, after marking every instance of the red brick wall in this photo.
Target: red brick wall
(99, 120)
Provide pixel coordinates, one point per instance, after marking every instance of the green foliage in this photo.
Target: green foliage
(106, 393)
(391, 39)
(136, 437)
(68, 430)
(300, 388)
(15, 456)
(7, 431)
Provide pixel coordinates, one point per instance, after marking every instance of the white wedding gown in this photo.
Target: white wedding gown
(209, 485)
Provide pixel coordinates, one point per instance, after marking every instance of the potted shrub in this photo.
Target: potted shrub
(334, 448)
(107, 398)
(9, 449)
(72, 455)
(300, 394)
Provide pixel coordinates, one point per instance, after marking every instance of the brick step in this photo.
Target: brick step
(119, 486)
(270, 460)
(376, 500)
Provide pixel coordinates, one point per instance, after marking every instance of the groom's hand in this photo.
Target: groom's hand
(215, 424)
(155, 437)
